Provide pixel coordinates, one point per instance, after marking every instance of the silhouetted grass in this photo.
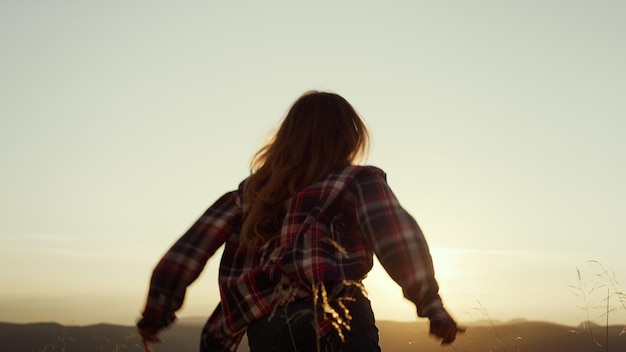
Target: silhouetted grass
(597, 297)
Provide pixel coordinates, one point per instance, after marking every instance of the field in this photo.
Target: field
(394, 336)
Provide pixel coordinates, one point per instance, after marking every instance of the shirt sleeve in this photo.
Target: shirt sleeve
(397, 241)
(184, 261)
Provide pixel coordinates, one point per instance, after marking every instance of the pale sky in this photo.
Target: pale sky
(500, 125)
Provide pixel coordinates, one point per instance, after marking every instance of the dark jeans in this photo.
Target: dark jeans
(276, 334)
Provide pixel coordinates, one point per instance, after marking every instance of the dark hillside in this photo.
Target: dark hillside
(395, 337)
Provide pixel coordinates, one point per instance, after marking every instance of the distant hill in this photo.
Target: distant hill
(516, 335)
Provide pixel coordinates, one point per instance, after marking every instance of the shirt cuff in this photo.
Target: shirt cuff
(430, 309)
(145, 323)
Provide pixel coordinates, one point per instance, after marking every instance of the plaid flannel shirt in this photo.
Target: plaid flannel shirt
(328, 237)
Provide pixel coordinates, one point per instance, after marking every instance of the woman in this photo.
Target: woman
(299, 234)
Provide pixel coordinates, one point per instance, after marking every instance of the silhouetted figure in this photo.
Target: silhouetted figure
(300, 234)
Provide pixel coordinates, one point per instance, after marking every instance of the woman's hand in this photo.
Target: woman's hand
(148, 336)
(444, 327)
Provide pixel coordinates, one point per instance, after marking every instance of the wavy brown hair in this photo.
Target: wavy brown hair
(320, 133)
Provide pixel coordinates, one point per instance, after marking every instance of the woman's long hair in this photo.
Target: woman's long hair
(320, 133)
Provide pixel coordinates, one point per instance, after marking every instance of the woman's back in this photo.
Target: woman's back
(300, 234)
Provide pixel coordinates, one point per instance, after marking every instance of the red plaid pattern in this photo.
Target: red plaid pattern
(328, 237)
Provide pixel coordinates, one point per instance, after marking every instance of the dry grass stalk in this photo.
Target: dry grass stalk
(485, 313)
